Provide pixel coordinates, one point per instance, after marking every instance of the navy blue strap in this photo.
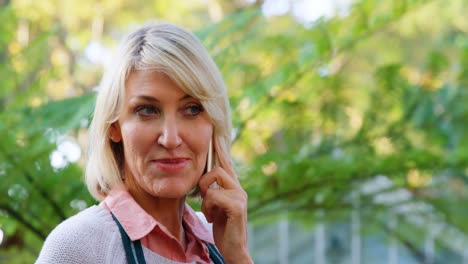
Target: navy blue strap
(215, 256)
(134, 251)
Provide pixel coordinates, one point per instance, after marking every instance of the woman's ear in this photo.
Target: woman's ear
(114, 132)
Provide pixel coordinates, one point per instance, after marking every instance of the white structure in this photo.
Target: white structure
(287, 242)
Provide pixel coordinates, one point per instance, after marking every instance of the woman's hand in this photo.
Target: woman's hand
(226, 208)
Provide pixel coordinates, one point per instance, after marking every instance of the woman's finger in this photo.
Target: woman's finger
(230, 202)
(219, 176)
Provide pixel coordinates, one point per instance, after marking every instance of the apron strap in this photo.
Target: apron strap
(215, 256)
(134, 251)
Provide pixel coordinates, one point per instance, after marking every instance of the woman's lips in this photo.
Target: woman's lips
(171, 164)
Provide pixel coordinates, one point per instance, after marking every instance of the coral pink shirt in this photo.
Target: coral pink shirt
(139, 225)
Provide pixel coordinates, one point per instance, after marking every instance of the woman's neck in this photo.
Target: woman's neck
(167, 211)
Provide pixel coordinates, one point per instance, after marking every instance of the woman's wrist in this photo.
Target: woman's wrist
(242, 257)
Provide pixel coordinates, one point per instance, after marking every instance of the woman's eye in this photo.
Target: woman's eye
(147, 110)
(193, 110)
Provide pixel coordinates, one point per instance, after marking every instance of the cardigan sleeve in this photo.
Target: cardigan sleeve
(83, 238)
(66, 245)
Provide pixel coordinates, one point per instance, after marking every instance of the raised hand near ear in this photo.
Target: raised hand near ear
(226, 207)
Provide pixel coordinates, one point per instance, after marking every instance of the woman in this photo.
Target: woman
(159, 114)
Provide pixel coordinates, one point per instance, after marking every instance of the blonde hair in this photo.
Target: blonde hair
(181, 56)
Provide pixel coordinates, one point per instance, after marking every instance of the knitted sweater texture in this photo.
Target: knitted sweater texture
(90, 236)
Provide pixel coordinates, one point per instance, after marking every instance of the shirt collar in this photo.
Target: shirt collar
(137, 223)
(197, 224)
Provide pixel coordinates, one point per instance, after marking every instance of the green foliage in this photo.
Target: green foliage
(321, 111)
(35, 195)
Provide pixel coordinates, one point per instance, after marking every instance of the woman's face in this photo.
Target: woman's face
(165, 135)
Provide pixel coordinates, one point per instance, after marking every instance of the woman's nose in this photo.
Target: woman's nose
(169, 136)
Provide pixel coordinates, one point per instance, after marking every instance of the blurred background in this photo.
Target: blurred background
(350, 120)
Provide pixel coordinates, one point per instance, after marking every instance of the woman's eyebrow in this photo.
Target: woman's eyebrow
(144, 98)
(153, 99)
(185, 97)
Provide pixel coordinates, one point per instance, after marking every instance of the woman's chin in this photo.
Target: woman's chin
(172, 193)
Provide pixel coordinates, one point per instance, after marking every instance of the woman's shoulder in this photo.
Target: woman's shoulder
(84, 224)
(83, 235)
